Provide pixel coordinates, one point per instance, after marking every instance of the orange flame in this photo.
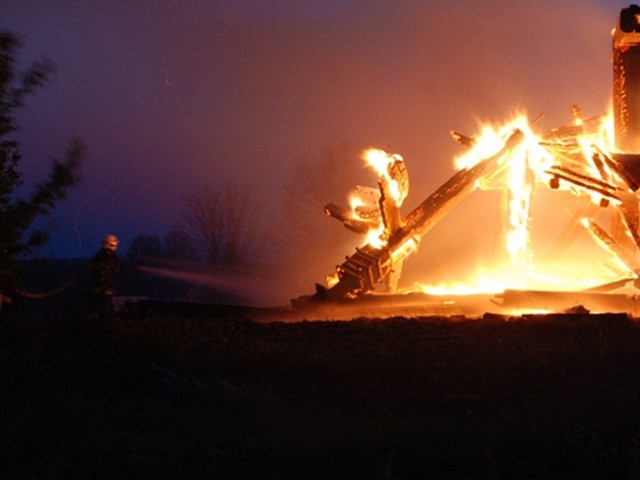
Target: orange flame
(521, 173)
(364, 208)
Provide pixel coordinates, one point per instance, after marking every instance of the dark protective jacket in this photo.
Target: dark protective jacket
(105, 268)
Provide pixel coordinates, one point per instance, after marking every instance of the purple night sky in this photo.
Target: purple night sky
(170, 95)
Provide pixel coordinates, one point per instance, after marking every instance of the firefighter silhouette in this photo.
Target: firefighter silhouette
(105, 266)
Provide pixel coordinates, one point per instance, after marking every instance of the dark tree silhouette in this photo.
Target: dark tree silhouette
(144, 246)
(175, 245)
(222, 223)
(178, 245)
(17, 214)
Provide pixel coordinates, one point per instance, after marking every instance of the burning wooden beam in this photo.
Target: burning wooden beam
(370, 266)
(577, 157)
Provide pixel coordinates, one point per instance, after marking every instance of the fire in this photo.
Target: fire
(374, 237)
(365, 202)
(569, 162)
(382, 162)
(498, 278)
(524, 170)
(527, 167)
(589, 169)
(521, 173)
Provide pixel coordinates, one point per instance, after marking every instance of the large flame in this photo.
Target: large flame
(528, 167)
(524, 171)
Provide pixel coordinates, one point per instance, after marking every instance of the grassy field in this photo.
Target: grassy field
(232, 398)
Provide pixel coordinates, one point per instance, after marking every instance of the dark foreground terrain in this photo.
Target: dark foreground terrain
(230, 398)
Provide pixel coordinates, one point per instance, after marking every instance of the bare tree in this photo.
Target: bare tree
(223, 224)
(175, 245)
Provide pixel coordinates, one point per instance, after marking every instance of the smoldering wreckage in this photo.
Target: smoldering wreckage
(596, 159)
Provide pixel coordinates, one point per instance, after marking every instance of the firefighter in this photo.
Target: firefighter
(105, 266)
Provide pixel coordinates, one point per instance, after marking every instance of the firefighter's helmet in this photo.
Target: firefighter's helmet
(110, 242)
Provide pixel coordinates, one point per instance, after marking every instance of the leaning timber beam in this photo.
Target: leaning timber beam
(370, 266)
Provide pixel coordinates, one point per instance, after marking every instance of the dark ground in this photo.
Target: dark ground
(230, 398)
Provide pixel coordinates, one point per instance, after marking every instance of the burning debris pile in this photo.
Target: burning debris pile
(596, 159)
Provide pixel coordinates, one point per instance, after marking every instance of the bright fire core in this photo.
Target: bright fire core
(555, 174)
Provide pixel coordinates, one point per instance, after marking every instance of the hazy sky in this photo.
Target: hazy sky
(170, 95)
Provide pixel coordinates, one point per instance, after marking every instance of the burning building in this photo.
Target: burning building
(594, 160)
